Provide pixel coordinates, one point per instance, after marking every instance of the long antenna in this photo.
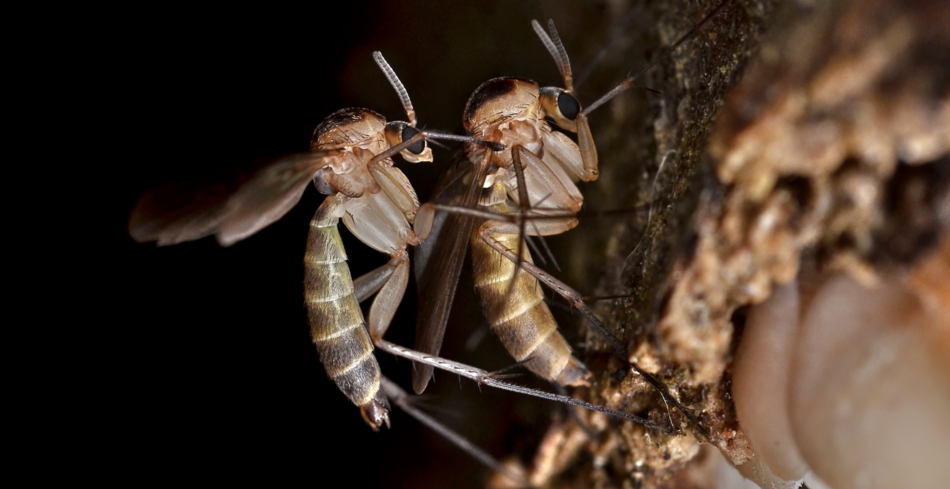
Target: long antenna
(628, 81)
(565, 61)
(556, 48)
(549, 44)
(400, 89)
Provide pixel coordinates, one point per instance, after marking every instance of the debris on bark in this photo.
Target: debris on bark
(831, 154)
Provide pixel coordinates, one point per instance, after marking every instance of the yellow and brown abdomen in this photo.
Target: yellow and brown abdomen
(522, 320)
(336, 322)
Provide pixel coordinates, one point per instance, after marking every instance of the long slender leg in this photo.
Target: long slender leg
(593, 435)
(556, 186)
(401, 399)
(395, 185)
(515, 307)
(389, 297)
(576, 299)
(525, 204)
(369, 283)
(550, 225)
(546, 180)
(483, 377)
(585, 141)
(390, 282)
(516, 310)
(490, 229)
(541, 224)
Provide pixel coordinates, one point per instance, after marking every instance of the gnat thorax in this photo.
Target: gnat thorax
(499, 100)
(506, 111)
(352, 137)
(525, 133)
(352, 127)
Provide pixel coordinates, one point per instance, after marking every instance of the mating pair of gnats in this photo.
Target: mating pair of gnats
(520, 181)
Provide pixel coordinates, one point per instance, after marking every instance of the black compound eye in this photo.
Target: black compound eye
(568, 105)
(319, 180)
(407, 133)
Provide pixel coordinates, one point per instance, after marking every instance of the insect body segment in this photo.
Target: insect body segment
(350, 160)
(529, 189)
(512, 111)
(336, 322)
(521, 318)
(377, 203)
(537, 171)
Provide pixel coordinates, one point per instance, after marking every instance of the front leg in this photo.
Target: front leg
(543, 185)
(585, 141)
(390, 294)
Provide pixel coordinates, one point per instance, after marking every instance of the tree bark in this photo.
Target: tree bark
(829, 155)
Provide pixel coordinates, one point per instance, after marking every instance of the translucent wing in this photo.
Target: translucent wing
(232, 206)
(439, 262)
(452, 189)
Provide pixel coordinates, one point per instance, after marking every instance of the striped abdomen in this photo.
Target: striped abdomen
(336, 322)
(522, 320)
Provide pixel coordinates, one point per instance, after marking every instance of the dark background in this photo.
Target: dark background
(206, 362)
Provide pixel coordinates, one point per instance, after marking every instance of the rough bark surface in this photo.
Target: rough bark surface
(829, 155)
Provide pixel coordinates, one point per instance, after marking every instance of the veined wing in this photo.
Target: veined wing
(230, 206)
(439, 262)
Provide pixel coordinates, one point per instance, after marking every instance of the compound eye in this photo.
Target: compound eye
(568, 106)
(407, 133)
(320, 181)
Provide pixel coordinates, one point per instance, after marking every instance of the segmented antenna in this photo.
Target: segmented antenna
(400, 89)
(556, 48)
(548, 43)
(565, 61)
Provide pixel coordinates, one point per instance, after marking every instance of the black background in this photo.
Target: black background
(208, 369)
